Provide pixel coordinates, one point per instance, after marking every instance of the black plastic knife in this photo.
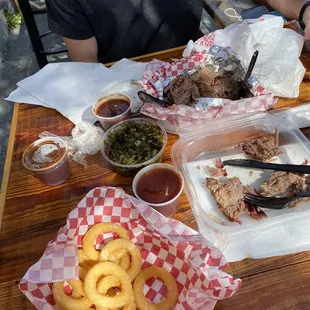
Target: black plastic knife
(254, 164)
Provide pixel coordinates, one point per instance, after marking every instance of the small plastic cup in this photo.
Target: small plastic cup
(108, 122)
(48, 159)
(168, 208)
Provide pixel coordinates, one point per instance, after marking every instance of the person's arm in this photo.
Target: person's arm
(82, 50)
(68, 19)
(291, 9)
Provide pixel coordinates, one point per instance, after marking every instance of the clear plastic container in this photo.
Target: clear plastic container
(194, 151)
(48, 159)
(130, 170)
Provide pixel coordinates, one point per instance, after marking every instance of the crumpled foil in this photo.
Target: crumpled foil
(224, 62)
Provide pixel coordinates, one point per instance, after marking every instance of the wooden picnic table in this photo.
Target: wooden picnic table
(33, 213)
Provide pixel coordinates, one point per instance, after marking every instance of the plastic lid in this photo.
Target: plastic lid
(44, 154)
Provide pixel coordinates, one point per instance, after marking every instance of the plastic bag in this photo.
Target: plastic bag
(278, 67)
(85, 140)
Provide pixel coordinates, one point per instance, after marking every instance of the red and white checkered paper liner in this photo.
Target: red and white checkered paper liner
(195, 263)
(182, 115)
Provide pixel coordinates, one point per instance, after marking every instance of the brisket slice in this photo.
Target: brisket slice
(205, 82)
(282, 183)
(181, 90)
(229, 196)
(307, 183)
(286, 184)
(263, 148)
(212, 84)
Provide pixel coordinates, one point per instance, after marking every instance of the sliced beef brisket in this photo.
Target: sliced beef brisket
(282, 183)
(229, 196)
(263, 148)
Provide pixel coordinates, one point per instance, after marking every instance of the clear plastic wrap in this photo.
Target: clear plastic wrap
(85, 140)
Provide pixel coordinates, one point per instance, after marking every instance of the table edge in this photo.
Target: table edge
(151, 55)
(8, 161)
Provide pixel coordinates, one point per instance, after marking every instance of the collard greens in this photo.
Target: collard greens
(134, 143)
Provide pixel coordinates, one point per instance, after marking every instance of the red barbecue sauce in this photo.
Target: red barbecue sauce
(158, 185)
(112, 108)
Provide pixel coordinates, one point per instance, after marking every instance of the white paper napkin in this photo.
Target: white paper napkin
(19, 93)
(72, 88)
(129, 69)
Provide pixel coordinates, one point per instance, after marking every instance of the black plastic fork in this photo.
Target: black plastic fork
(272, 202)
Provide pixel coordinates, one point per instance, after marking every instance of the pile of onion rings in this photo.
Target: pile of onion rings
(112, 279)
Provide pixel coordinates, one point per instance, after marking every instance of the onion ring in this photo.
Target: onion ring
(77, 287)
(82, 256)
(100, 308)
(172, 289)
(131, 305)
(106, 283)
(84, 261)
(75, 295)
(104, 308)
(67, 302)
(117, 244)
(105, 269)
(91, 235)
(83, 269)
(107, 286)
(87, 265)
(123, 261)
(82, 273)
(115, 258)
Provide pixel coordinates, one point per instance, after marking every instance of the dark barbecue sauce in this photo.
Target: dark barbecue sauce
(112, 108)
(158, 185)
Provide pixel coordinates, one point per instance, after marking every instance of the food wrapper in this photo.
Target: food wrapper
(159, 74)
(193, 261)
